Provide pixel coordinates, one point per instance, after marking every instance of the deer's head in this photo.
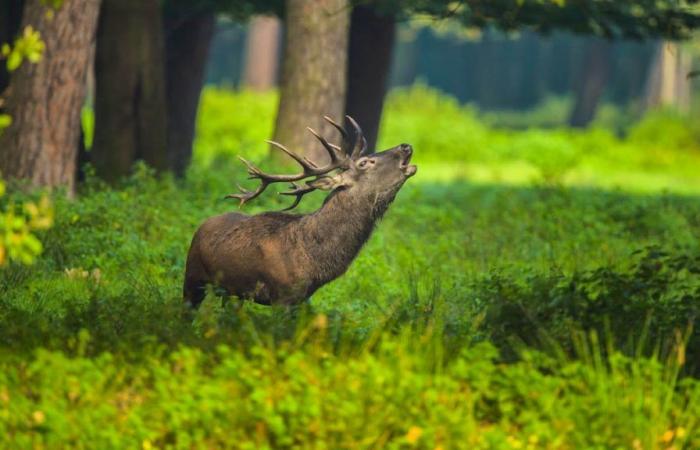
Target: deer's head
(351, 167)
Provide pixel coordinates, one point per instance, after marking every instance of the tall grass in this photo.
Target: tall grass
(517, 311)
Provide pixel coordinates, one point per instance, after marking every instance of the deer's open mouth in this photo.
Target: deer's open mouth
(408, 169)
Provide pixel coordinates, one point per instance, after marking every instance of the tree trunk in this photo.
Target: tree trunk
(130, 105)
(595, 75)
(668, 83)
(262, 53)
(187, 49)
(313, 73)
(10, 20)
(369, 61)
(46, 98)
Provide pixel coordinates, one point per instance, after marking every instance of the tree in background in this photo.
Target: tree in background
(188, 33)
(591, 84)
(261, 53)
(629, 19)
(668, 83)
(372, 35)
(313, 73)
(151, 59)
(45, 99)
(130, 108)
(150, 63)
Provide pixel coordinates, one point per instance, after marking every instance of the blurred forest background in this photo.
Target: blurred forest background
(526, 78)
(535, 286)
(140, 68)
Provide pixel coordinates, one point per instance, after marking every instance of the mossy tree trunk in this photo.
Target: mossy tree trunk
(369, 60)
(188, 37)
(313, 73)
(45, 99)
(130, 102)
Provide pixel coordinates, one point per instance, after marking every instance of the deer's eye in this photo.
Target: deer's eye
(365, 163)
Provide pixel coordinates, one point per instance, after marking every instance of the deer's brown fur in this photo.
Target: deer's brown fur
(281, 258)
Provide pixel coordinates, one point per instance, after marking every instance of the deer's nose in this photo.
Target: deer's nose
(406, 148)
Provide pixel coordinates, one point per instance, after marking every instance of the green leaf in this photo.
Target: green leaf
(14, 61)
(5, 121)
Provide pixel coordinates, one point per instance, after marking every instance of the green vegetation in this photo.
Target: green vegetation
(527, 289)
(19, 222)
(29, 46)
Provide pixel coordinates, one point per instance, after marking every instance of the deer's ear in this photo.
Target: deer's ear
(326, 183)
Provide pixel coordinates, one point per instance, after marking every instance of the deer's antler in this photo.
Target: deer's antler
(353, 147)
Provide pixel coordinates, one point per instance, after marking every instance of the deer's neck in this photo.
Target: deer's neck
(335, 233)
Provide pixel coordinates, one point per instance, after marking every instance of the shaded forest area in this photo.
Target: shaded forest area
(490, 69)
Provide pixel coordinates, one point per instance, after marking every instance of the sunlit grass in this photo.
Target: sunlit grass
(453, 144)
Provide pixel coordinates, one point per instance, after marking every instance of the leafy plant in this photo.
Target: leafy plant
(19, 222)
(18, 225)
(27, 46)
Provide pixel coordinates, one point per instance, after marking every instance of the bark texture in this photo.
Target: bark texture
(592, 83)
(313, 73)
(187, 48)
(369, 61)
(262, 53)
(130, 104)
(45, 99)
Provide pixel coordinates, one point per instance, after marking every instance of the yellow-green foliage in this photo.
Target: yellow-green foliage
(234, 123)
(28, 46)
(660, 152)
(304, 395)
(18, 225)
(445, 133)
(19, 222)
(469, 320)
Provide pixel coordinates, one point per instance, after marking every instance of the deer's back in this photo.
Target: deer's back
(250, 256)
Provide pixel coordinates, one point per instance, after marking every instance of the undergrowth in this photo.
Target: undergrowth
(540, 313)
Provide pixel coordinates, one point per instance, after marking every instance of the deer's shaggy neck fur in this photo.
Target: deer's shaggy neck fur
(333, 236)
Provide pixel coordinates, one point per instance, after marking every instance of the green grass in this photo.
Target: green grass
(530, 289)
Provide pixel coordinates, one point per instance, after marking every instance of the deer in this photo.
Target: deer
(280, 258)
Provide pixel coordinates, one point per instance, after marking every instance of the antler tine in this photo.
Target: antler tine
(303, 162)
(339, 160)
(298, 191)
(363, 146)
(332, 150)
(359, 147)
(337, 126)
(311, 163)
(266, 179)
(253, 171)
(246, 195)
(349, 136)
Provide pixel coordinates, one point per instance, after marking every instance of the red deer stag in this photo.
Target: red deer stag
(280, 258)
